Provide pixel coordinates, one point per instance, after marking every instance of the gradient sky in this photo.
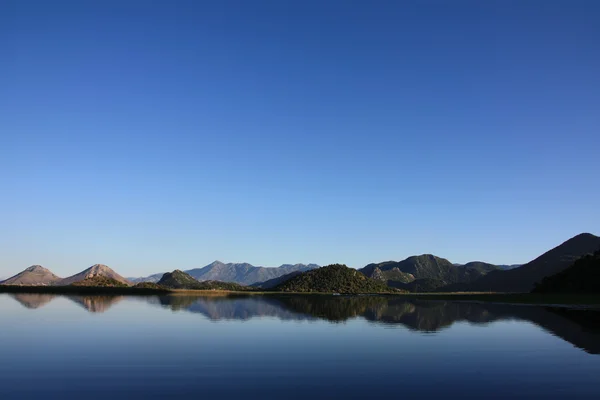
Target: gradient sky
(150, 136)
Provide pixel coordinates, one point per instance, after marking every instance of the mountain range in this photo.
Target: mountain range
(524, 278)
(241, 273)
(423, 273)
(36, 275)
(426, 272)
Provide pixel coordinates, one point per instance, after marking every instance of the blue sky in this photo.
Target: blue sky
(150, 136)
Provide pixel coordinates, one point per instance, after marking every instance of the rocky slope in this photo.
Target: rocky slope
(36, 275)
(94, 271)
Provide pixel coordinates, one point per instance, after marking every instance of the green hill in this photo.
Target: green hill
(334, 278)
(427, 271)
(180, 280)
(582, 277)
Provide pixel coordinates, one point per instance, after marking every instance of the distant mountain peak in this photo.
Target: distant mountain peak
(36, 275)
(94, 271)
(36, 267)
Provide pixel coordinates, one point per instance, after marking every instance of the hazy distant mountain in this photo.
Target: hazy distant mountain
(36, 275)
(581, 277)
(242, 273)
(152, 278)
(524, 278)
(507, 267)
(427, 270)
(93, 271)
(335, 278)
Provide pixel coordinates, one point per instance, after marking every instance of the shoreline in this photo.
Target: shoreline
(562, 300)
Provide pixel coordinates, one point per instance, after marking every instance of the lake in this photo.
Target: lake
(316, 347)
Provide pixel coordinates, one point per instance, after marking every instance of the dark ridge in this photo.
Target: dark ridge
(581, 277)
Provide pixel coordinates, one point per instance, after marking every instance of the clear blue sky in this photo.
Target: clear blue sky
(150, 136)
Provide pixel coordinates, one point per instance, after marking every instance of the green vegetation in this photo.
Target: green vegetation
(582, 277)
(334, 278)
(178, 280)
(148, 285)
(100, 281)
(427, 271)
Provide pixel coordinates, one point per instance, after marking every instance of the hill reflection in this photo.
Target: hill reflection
(579, 327)
(32, 300)
(94, 304)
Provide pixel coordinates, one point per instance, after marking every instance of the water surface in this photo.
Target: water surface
(292, 347)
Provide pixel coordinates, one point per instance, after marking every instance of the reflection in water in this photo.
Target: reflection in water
(579, 327)
(32, 300)
(96, 304)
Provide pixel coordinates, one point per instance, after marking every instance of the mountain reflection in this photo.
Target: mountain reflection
(96, 304)
(579, 327)
(32, 300)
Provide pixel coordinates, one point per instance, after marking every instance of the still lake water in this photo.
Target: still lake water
(292, 347)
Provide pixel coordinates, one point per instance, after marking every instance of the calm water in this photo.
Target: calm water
(292, 347)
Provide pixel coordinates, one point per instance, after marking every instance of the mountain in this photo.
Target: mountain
(334, 278)
(507, 267)
(437, 272)
(524, 278)
(581, 277)
(178, 280)
(481, 267)
(152, 278)
(93, 271)
(244, 273)
(181, 280)
(36, 275)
